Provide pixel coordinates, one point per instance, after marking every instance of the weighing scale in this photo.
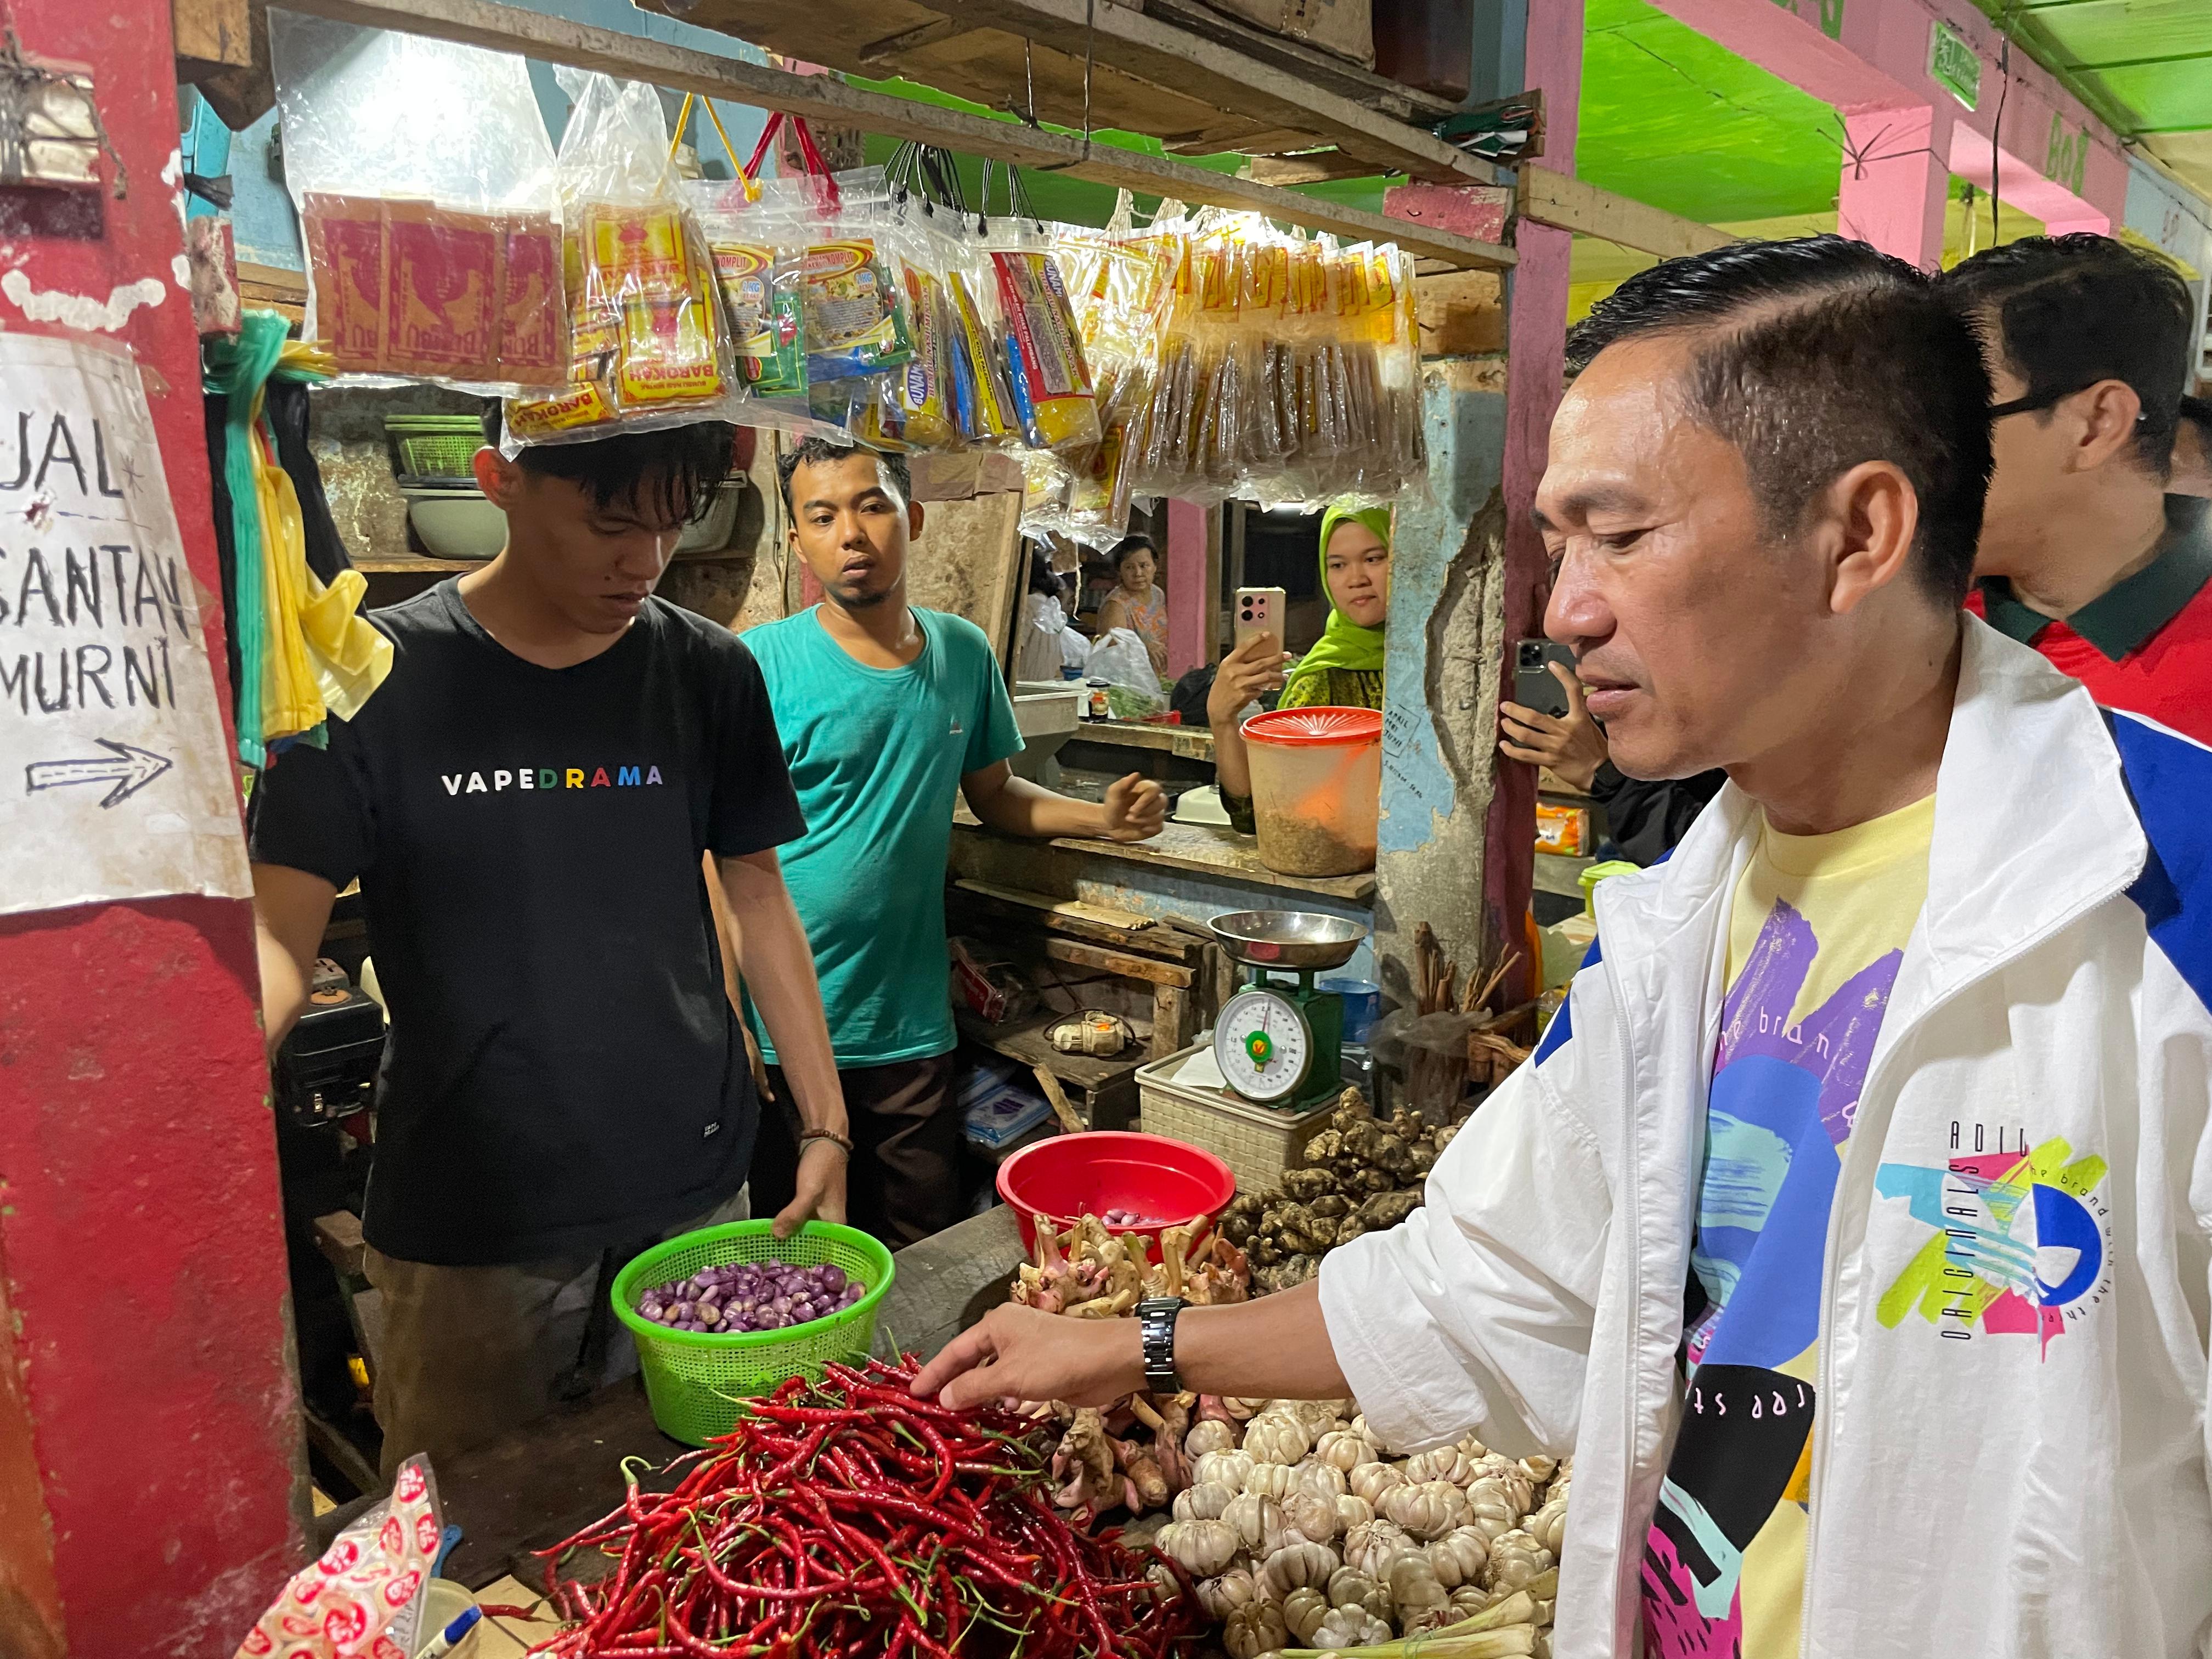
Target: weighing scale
(1278, 1045)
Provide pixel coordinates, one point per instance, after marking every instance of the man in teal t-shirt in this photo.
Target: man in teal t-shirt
(886, 711)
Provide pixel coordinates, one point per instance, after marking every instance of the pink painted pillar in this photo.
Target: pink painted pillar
(1896, 182)
(1185, 581)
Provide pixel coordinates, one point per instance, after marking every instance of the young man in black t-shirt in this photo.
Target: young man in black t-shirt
(527, 801)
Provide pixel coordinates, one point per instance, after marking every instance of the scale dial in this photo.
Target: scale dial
(1263, 1045)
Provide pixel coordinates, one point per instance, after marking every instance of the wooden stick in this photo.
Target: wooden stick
(1069, 1123)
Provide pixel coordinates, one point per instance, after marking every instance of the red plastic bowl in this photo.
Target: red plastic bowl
(1170, 1182)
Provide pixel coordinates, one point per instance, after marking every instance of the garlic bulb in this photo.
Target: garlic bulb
(1548, 1526)
(1344, 1449)
(1348, 1587)
(1311, 1515)
(1371, 1480)
(1349, 1627)
(1516, 1559)
(1352, 1512)
(1299, 1565)
(1458, 1557)
(1510, 1474)
(1273, 1437)
(1490, 1507)
(1303, 1609)
(1212, 1435)
(1449, 1463)
(1223, 1594)
(1540, 1468)
(1428, 1510)
(1200, 1548)
(1413, 1586)
(1321, 1479)
(1257, 1522)
(1255, 1628)
(1467, 1601)
(1373, 1547)
(1269, 1481)
(1228, 1468)
(1203, 1502)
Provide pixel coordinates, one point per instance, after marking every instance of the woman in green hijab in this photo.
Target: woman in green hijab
(1343, 671)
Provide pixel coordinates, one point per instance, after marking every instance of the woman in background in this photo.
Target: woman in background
(1343, 671)
(1138, 603)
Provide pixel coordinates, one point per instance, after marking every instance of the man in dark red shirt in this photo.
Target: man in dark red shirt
(2084, 553)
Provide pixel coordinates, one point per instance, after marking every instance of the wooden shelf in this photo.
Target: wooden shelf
(1199, 81)
(830, 101)
(1562, 876)
(1190, 742)
(412, 564)
(1203, 849)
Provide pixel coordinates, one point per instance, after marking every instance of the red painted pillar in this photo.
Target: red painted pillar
(1535, 346)
(1185, 581)
(150, 1468)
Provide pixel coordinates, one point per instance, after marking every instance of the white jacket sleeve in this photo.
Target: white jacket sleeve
(1475, 1312)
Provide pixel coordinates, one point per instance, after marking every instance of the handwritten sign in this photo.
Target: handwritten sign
(115, 777)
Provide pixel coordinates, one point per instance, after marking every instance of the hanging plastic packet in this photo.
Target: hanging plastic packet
(855, 322)
(1045, 370)
(648, 344)
(756, 236)
(424, 183)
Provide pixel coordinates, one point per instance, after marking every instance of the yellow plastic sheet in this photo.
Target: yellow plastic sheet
(323, 657)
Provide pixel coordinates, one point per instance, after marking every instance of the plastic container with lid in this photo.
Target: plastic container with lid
(1316, 789)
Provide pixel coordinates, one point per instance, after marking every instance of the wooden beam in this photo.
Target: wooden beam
(1553, 198)
(940, 28)
(1119, 962)
(1185, 62)
(826, 99)
(1313, 167)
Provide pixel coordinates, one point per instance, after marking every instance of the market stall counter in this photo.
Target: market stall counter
(539, 1485)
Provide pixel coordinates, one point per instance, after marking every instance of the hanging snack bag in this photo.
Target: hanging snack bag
(756, 238)
(977, 358)
(856, 323)
(648, 344)
(425, 189)
(1051, 385)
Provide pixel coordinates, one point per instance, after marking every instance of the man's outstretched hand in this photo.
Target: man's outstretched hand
(1025, 1354)
(1135, 808)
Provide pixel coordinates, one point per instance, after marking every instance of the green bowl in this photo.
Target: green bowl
(698, 1381)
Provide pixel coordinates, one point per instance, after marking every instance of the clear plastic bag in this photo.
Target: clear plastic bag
(1119, 657)
(648, 345)
(1045, 367)
(425, 183)
(756, 237)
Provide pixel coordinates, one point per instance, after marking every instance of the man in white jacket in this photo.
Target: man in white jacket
(1852, 1224)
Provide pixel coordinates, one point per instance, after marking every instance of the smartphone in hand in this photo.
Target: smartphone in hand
(1259, 610)
(1534, 685)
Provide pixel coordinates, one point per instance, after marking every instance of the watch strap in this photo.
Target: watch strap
(1156, 1323)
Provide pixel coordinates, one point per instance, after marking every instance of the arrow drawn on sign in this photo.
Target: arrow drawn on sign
(129, 769)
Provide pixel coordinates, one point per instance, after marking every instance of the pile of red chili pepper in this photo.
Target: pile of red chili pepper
(845, 1519)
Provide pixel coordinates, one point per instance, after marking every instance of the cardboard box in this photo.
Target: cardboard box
(1344, 27)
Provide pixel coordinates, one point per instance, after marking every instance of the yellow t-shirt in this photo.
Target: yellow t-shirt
(1816, 933)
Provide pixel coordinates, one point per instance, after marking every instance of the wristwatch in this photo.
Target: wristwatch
(1156, 1323)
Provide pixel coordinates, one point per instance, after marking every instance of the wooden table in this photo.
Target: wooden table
(535, 1486)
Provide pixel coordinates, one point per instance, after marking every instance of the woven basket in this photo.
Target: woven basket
(1257, 1143)
(697, 1381)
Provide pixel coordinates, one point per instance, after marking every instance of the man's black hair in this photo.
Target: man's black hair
(2198, 412)
(669, 476)
(821, 452)
(1814, 354)
(1130, 545)
(2067, 311)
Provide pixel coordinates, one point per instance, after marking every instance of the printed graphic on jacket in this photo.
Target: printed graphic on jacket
(2021, 1243)
(1783, 1100)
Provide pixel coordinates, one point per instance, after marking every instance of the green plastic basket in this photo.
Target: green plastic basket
(698, 1381)
(439, 454)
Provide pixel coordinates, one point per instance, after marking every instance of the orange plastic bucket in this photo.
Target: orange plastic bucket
(1316, 789)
